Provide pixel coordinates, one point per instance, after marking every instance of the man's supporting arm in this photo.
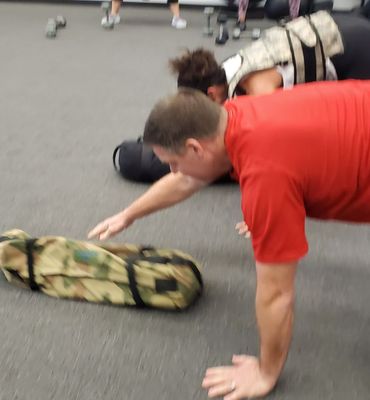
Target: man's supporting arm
(275, 312)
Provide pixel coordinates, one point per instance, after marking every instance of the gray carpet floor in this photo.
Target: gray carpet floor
(64, 105)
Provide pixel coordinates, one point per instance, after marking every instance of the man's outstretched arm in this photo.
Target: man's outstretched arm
(168, 191)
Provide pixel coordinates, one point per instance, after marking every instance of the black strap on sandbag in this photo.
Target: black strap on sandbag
(176, 260)
(166, 285)
(29, 249)
(133, 284)
(161, 285)
(193, 267)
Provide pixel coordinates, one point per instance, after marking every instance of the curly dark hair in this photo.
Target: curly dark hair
(197, 69)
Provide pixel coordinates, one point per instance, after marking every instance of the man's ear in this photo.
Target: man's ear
(212, 93)
(194, 145)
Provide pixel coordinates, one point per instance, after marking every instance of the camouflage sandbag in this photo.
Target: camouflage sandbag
(117, 274)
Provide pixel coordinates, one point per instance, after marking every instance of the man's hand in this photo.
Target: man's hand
(243, 229)
(242, 380)
(111, 226)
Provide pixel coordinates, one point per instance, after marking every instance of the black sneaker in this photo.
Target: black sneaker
(241, 25)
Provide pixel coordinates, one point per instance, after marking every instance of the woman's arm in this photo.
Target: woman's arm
(261, 82)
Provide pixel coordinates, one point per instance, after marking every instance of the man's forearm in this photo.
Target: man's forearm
(168, 191)
(275, 314)
(275, 320)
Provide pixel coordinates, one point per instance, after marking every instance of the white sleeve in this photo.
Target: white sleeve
(287, 75)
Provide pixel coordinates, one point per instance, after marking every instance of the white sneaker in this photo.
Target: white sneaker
(113, 19)
(178, 23)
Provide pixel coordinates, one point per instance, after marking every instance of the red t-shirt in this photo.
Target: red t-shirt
(297, 153)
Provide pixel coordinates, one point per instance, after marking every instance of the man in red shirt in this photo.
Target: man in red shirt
(303, 152)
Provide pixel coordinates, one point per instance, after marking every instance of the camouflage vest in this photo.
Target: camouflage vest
(305, 42)
(105, 273)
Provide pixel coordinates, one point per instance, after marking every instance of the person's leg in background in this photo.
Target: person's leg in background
(242, 14)
(114, 14)
(294, 8)
(177, 22)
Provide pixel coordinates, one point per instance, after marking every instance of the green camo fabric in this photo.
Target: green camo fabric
(106, 273)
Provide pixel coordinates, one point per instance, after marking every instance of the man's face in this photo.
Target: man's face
(194, 160)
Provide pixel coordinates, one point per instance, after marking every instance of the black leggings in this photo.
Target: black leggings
(354, 63)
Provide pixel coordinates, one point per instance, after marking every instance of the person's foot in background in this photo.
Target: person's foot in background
(177, 22)
(114, 14)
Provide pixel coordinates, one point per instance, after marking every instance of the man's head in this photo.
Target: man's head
(199, 69)
(186, 130)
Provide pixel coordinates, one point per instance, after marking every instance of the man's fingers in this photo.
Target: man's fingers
(216, 371)
(213, 380)
(219, 390)
(99, 231)
(106, 235)
(96, 231)
(239, 359)
(234, 395)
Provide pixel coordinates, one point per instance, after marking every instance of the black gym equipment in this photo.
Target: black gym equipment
(279, 9)
(137, 162)
(366, 8)
(223, 34)
(255, 11)
(208, 12)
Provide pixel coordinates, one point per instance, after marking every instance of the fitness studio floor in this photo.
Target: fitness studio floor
(65, 104)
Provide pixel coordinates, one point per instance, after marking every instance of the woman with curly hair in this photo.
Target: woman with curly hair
(271, 63)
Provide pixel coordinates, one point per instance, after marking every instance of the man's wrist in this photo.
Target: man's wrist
(128, 215)
(269, 374)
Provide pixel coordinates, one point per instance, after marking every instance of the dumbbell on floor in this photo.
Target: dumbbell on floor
(61, 21)
(51, 28)
(208, 12)
(53, 24)
(223, 34)
(254, 34)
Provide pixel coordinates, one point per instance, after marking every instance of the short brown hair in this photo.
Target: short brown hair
(174, 119)
(197, 69)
